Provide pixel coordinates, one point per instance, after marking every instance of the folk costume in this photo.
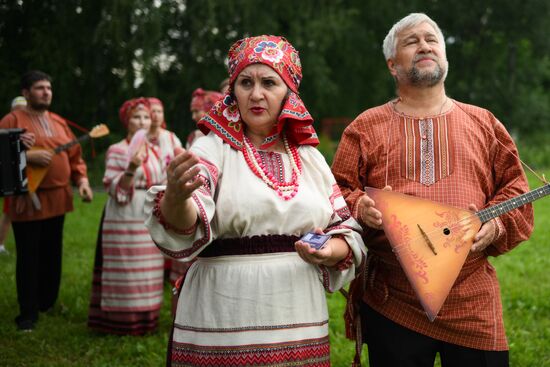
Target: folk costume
(461, 156)
(127, 287)
(169, 274)
(249, 299)
(38, 229)
(154, 100)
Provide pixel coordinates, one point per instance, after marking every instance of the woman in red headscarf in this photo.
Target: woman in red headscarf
(201, 102)
(165, 143)
(127, 288)
(239, 201)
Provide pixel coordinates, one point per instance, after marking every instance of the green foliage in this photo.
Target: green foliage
(101, 53)
(534, 150)
(327, 147)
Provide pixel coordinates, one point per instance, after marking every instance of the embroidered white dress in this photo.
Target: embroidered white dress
(274, 304)
(128, 271)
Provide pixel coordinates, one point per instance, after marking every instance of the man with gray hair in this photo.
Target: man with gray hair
(425, 144)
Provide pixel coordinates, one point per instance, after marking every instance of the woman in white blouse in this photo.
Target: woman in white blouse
(239, 200)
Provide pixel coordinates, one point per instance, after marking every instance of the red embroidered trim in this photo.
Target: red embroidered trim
(307, 352)
(206, 238)
(498, 230)
(346, 262)
(167, 226)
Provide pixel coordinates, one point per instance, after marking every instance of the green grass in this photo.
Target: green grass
(525, 288)
(534, 149)
(62, 338)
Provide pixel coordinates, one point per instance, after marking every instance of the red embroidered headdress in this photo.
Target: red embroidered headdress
(224, 118)
(155, 100)
(204, 100)
(129, 106)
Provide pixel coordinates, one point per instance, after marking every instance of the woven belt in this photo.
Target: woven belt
(254, 245)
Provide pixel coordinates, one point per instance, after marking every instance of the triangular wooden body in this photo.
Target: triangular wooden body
(35, 174)
(431, 242)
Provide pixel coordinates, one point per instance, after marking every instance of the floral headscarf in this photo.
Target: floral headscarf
(204, 100)
(276, 52)
(130, 106)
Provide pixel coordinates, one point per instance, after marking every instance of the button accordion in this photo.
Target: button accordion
(13, 161)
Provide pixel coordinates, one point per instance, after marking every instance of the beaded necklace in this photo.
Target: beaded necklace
(285, 190)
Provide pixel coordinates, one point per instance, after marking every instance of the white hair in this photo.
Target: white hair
(390, 42)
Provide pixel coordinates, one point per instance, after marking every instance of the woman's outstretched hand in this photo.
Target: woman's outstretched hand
(182, 177)
(182, 181)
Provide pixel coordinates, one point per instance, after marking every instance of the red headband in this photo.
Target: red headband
(129, 106)
(154, 100)
(203, 100)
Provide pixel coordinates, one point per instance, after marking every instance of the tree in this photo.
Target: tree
(101, 53)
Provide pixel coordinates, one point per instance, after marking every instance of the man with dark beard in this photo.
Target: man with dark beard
(38, 226)
(428, 145)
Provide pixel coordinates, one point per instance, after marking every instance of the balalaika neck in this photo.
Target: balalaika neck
(63, 147)
(491, 212)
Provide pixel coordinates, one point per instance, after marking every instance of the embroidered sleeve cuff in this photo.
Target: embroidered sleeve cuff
(167, 226)
(499, 229)
(347, 261)
(355, 211)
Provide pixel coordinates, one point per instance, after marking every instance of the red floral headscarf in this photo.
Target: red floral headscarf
(224, 118)
(130, 106)
(204, 100)
(154, 100)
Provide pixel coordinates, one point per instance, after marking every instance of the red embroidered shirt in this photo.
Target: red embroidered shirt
(55, 192)
(454, 158)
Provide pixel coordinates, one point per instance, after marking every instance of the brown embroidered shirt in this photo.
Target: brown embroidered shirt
(454, 158)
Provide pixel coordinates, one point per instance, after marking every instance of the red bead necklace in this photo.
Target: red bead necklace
(285, 190)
